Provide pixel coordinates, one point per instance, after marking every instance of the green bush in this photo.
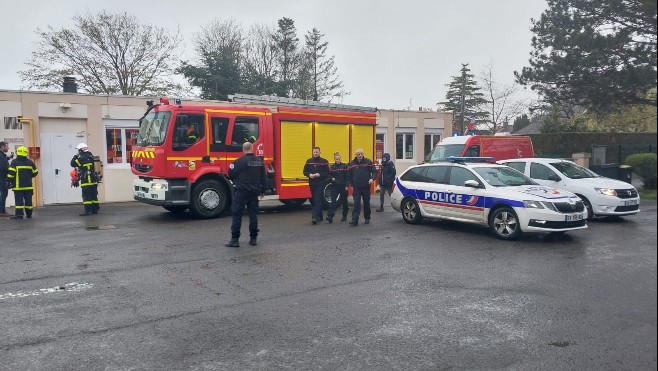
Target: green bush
(644, 165)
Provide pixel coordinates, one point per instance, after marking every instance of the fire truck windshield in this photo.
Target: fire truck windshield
(440, 152)
(153, 128)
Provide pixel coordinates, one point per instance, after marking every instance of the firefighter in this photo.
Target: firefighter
(316, 169)
(248, 176)
(191, 135)
(83, 161)
(21, 172)
(362, 173)
(339, 174)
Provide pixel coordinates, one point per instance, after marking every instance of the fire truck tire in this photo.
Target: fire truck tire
(175, 209)
(209, 199)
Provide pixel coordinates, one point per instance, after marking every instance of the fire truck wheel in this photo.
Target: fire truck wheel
(209, 199)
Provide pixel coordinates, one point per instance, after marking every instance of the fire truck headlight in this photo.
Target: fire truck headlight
(161, 186)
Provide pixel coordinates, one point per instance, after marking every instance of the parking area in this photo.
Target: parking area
(136, 287)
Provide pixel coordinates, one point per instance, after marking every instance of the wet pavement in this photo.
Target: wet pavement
(136, 287)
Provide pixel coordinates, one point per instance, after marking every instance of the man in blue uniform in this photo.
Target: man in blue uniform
(386, 179)
(249, 180)
(362, 174)
(316, 169)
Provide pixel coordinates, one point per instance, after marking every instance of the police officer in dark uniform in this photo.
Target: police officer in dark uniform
(20, 174)
(339, 190)
(249, 179)
(84, 162)
(316, 169)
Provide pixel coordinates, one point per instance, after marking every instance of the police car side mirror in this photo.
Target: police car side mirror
(472, 184)
(554, 177)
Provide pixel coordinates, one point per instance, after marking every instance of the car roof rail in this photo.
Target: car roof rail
(469, 159)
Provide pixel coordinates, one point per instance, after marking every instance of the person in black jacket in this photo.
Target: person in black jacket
(339, 190)
(362, 173)
(386, 179)
(249, 180)
(84, 162)
(316, 169)
(20, 174)
(4, 169)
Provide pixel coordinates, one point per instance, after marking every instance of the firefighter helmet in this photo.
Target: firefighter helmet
(21, 151)
(82, 147)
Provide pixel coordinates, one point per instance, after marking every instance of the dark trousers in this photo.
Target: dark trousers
(90, 198)
(317, 194)
(361, 193)
(338, 198)
(382, 189)
(243, 198)
(23, 201)
(4, 191)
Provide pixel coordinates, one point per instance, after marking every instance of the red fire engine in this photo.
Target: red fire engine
(183, 150)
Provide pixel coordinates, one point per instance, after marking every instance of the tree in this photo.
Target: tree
(318, 77)
(520, 122)
(596, 54)
(218, 73)
(286, 43)
(502, 101)
(463, 99)
(259, 73)
(108, 53)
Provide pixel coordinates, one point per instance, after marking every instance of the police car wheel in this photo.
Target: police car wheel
(411, 211)
(504, 223)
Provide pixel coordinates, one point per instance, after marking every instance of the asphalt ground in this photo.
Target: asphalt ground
(138, 288)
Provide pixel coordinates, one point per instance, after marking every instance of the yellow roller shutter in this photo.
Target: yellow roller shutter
(363, 137)
(331, 138)
(296, 148)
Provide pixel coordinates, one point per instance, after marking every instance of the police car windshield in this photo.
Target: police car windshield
(574, 171)
(503, 176)
(440, 152)
(153, 128)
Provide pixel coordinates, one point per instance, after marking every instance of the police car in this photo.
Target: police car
(472, 190)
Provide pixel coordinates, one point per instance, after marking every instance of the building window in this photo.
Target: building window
(120, 137)
(119, 143)
(431, 139)
(404, 146)
(380, 145)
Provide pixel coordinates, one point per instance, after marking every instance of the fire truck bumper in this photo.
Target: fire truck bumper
(162, 192)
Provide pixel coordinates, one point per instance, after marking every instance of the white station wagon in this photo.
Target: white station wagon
(489, 194)
(602, 196)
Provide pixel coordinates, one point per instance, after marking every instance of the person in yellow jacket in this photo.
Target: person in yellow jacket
(19, 177)
(83, 161)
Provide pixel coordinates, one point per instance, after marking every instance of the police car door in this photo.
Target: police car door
(429, 193)
(464, 202)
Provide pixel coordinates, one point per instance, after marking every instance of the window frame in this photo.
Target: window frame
(123, 126)
(405, 144)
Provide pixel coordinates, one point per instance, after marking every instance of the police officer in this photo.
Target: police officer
(362, 173)
(316, 169)
(84, 162)
(249, 179)
(339, 190)
(20, 174)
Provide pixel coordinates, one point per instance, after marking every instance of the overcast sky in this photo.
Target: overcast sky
(389, 54)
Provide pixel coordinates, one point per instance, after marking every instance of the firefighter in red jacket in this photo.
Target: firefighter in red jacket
(84, 162)
(19, 177)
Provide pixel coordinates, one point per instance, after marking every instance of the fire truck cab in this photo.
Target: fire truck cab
(183, 150)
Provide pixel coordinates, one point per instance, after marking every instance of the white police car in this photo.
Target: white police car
(484, 193)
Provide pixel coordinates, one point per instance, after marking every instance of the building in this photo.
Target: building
(53, 124)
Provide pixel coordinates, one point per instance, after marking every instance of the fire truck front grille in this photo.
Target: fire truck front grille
(142, 168)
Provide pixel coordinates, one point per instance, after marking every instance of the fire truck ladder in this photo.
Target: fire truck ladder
(268, 99)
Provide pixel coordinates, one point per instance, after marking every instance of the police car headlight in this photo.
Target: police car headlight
(159, 186)
(607, 191)
(532, 204)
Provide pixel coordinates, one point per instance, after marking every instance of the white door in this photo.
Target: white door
(56, 153)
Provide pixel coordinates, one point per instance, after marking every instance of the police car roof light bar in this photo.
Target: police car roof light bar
(469, 159)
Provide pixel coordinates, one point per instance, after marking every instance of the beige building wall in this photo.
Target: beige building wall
(88, 116)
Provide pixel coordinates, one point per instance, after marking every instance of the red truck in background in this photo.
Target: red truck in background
(183, 150)
(500, 147)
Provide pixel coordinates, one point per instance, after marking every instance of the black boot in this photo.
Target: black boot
(234, 242)
(253, 241)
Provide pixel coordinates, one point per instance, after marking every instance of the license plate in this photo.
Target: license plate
(141, 194)
(573, 218)
(630, 203)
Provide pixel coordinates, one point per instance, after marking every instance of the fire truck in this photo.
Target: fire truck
(183, 150)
